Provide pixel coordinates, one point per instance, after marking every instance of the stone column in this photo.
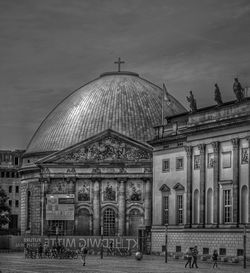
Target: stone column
(189, 198)
(96, 208)
(148, 202)
(216, 199)
(236, 212)
(248, 140)
(202, 148)
(122, 207)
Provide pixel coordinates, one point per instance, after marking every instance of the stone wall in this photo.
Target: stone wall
(231, 240)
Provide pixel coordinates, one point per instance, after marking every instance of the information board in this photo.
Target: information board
(60, 206)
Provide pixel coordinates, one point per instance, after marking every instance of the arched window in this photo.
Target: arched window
(83, 219)
(109, 225)
(196, 207)
(135, 220)
(244, 204)
(209, 206)
(29, 210)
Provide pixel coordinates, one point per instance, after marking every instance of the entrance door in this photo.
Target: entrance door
(135, 220)
(83, 222)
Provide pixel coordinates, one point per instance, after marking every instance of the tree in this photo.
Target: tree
(4, 208)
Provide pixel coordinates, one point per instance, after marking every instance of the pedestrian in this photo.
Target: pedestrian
(194, 255)
(189, 257)
(215, 258)
(40, 250)
(84, 251)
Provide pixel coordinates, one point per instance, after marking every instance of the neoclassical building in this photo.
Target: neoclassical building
(201, 180)
(88, 166)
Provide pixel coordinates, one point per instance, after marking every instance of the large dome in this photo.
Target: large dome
(121, 101)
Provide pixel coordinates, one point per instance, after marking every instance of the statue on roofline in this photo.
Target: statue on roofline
(238, 90)
(192, 102)
(217, 95)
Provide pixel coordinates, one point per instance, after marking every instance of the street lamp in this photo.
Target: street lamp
(166, 243)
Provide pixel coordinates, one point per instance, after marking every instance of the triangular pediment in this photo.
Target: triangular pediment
(107, 146)
(179, 187)
(164, 188)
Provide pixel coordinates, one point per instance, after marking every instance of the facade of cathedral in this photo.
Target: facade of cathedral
(201, 180)
(88, 167)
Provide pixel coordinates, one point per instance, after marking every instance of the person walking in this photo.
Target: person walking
(84, 252)
(215, 258)
(189, 257)
(195, 255)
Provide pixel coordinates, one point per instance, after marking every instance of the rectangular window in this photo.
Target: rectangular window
(165, 210)
(2, 174)
(178, 248)
(17, 189)
(10, 203)
(17, 203)
(205, 251)
(165, 165)
(179, 163)
(10, 189)
(226, 160)
(210, 160)
(179, 209)
(227, 206)
(222, 251)
(7, 174)
(240, 252)
(197, 162)
(16, 160)
(244, 156)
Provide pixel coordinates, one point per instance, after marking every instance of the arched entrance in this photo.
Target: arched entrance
(83, 222)
(109, 225)
(135, 220)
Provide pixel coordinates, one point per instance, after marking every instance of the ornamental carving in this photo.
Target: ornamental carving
(58, 187)
(109, 193)
(83, 191)
(109, 148)
(244, 156)
(134, 191)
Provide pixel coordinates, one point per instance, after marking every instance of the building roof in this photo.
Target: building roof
(121, 101)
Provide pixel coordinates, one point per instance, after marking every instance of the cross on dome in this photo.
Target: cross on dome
(119, 62)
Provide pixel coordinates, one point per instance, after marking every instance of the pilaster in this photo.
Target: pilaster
(236, 212)
(216, 203)
(248, 140)
(189, 151)
(148, 202)
(202, 148)
(122, 207)
(96, 208)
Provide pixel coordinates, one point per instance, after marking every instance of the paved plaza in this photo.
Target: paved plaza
(15, 262)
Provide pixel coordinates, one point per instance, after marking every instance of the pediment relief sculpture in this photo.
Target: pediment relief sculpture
(107, 149)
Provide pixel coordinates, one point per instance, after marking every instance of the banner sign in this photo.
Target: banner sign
(60, 206)
(91, 242)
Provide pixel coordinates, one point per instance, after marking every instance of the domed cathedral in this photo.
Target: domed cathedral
(88, 166)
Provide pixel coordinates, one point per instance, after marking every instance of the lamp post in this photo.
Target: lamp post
(101, 242)
(244, 247)
(166, 243)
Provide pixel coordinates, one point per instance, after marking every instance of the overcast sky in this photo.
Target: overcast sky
(49, 48)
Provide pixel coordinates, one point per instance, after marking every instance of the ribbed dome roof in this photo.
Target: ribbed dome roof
(121, 101)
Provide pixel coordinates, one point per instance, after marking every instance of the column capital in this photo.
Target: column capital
(216, 146)
(189, 150)
(235, 142)
(202, 148)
